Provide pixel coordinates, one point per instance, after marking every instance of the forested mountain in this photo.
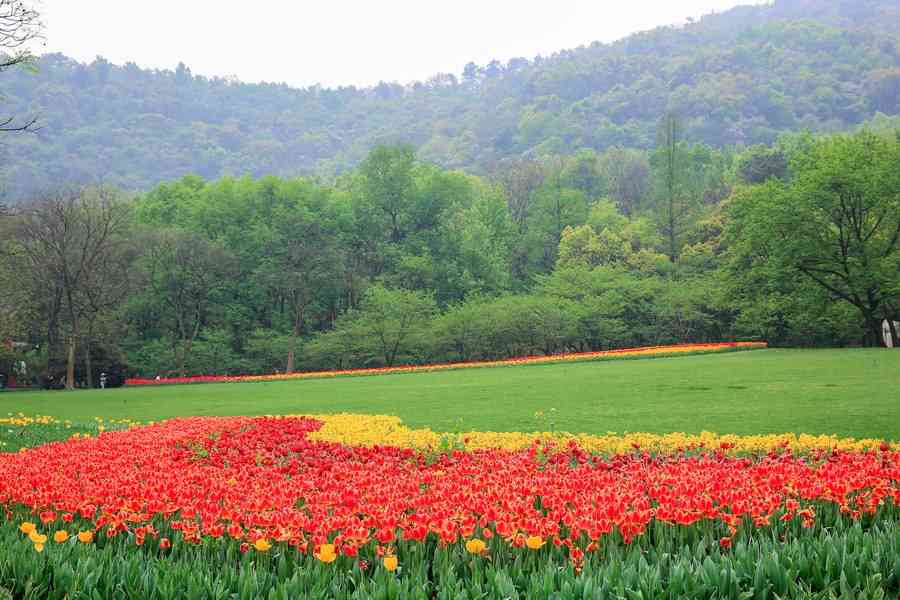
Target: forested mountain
(736, 78)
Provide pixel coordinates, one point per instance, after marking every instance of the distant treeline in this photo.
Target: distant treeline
(400, 261)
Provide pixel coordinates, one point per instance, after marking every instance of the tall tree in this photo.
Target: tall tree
(302, 262)
(392, 317)
(673, 207)
(185, 275)
(627, 177)
(67, 239)
(759, 163)
(836, 223)
(105, 289)
(387, 185)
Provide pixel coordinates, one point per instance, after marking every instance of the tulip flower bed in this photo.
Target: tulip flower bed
(382, 430)
(621, 354)
(254, 507)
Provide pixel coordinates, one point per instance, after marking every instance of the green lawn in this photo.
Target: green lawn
(845, 392)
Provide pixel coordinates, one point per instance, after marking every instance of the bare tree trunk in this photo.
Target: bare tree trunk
(88, 367)
(53, 332)
(289, 368)
(892, 326)
(876, 333)
(185, 350)
(70, 364)
(295, 333)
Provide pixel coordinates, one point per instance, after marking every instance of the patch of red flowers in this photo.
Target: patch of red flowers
(251, 478)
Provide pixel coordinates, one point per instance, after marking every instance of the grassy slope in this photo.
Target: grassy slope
(846, 392)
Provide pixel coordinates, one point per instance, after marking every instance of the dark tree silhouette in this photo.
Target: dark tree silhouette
(20, 26)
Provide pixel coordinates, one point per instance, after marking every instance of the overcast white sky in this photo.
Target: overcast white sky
(335, 42)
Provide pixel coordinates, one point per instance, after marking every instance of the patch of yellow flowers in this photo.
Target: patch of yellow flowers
(372, 430)
(21, 420)
(17, 421)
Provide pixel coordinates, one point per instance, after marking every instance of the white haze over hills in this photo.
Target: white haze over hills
(345, 42)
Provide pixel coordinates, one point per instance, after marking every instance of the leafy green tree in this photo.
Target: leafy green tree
(584, 246)
(582, 172)
(626, 173)
(836, 223)
(388, 187)
(301, 262)
(459, 331)
(473, 251)
(674, 201)
(613, 307)
(760, 163)
(348, 345)
(185, 277)
(393, 318)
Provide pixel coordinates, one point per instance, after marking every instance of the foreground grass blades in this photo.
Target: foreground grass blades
(852, 561)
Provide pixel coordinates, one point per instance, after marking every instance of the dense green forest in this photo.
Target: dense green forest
(734, 178)
(400, 261)
(737, 78)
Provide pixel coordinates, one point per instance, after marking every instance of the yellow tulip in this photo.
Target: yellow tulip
(60, 536)
(476, 546)
(326, 553)
(534, 542)
(390, 563)
(37, 538)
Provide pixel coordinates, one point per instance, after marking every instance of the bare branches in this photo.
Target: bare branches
(73, 242)
(186, 275)
(29, 125)
(20, 25)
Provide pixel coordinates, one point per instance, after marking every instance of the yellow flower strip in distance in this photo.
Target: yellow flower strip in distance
(21, 420)
(383, 430)
(673, 350)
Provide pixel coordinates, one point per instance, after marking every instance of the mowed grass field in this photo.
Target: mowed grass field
(852, 392)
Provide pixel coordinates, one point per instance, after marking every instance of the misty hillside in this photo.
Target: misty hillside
(737, 78)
